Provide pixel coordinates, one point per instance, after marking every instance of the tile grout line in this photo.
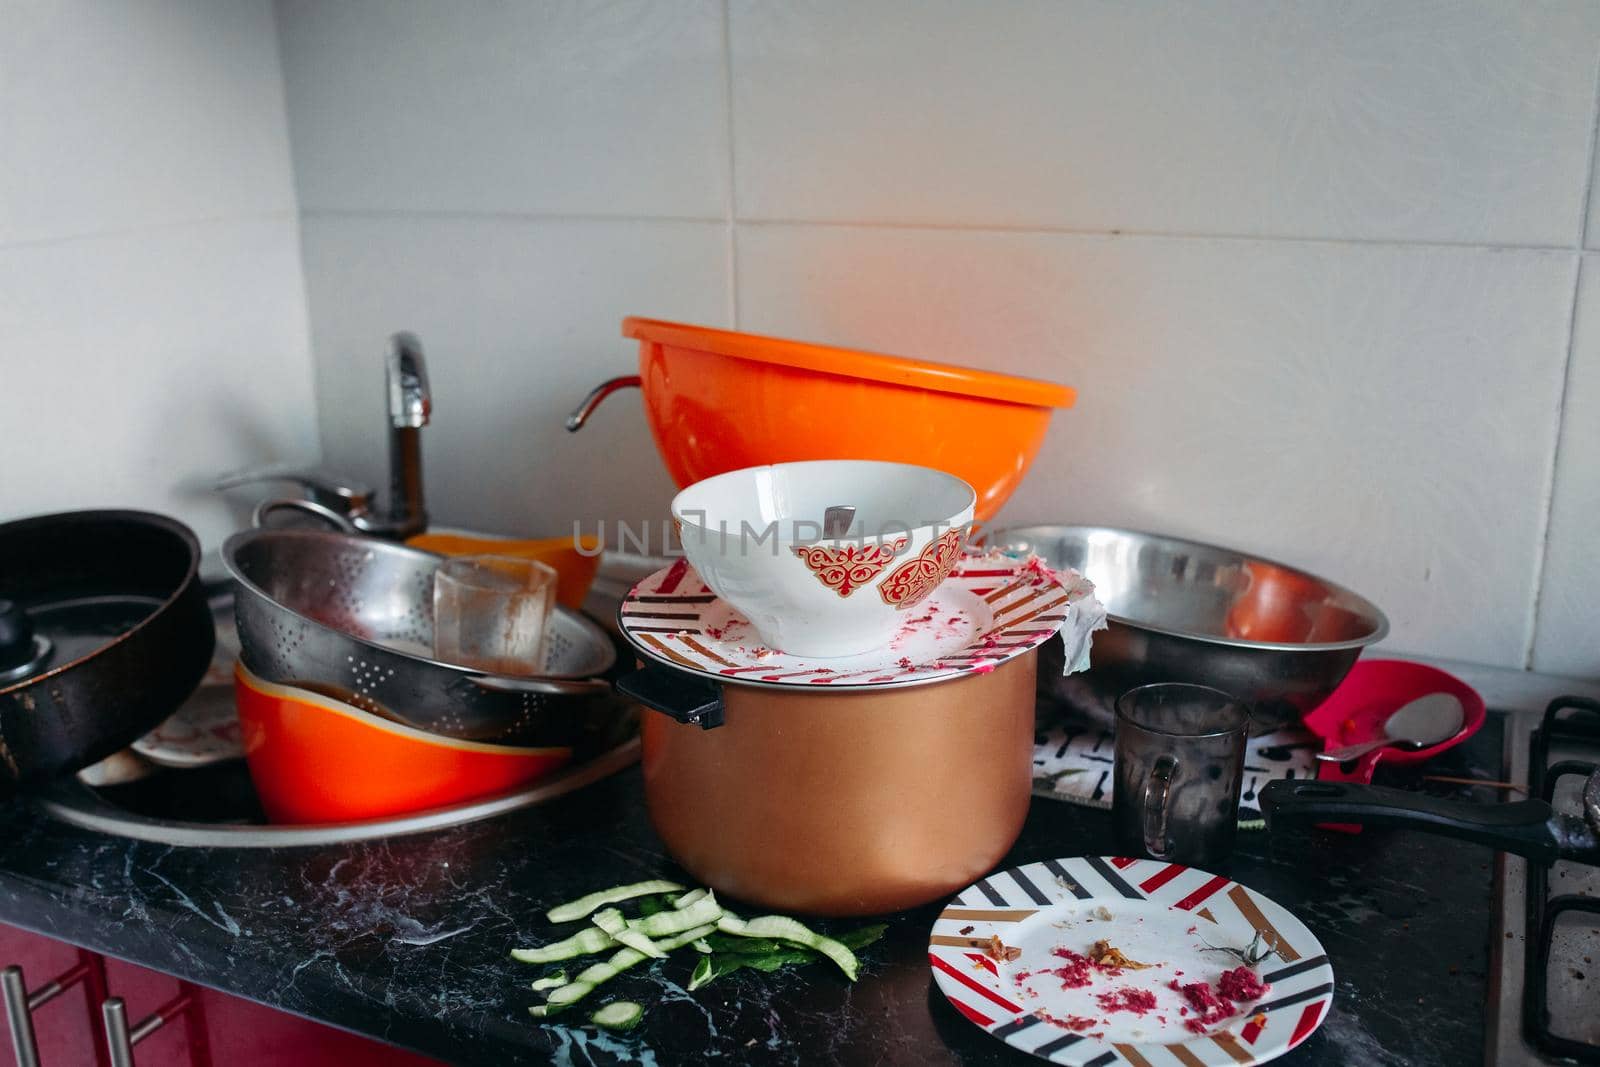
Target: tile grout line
(1588, 182)
(1541, 560)
(1020, 230)
(164, 226)
(1549, 489)
(733, 194)
(1151, 235)
(501, 216)
(304, 286)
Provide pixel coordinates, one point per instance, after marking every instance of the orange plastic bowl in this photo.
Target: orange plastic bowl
(719, 401)
(314, 759)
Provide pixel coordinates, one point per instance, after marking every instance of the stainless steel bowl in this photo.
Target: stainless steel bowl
(352, 617)
(1181, 611)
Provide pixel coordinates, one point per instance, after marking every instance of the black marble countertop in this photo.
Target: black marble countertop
(406, 939)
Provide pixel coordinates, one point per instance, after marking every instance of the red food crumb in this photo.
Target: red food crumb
(1241, 984)
(904, 663)
(983, 668)
(1077, 1023)
(1075, 975)
(1233, 987)
(1210, 1008)
(1036, 567)
(1137, 1001)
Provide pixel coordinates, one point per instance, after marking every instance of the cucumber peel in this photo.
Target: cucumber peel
(783, 928)
(585, 981)
(578, 909)
(640, 943)
(611, 920)
(690, 897)
(618, 1015)
(553, 981)
(670, 923)
(585, 942)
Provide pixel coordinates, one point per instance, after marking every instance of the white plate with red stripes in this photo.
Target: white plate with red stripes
(1193, 1002)
(991, 609)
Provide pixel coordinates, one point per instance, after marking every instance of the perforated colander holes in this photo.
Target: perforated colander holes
(366, 677)
(286, 639)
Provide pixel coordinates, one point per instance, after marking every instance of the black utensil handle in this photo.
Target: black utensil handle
(682, 696)
(1523, 828)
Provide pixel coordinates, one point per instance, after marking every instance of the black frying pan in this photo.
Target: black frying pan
(104, 631)
(1526, 828)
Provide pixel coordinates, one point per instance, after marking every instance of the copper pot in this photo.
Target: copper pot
(844, 802)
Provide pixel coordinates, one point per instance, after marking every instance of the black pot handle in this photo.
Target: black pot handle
(678, 694)
(1525, 828)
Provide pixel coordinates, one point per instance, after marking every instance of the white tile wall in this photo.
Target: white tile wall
(566, 106)
(1568, 640)
(519, 319)
(1311, 266)
(1420, 120)
(116, 116)
(1333, 405)
(152, 314)
(140, 365)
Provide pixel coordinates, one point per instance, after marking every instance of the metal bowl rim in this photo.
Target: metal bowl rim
(1380, 620)
(238, 541)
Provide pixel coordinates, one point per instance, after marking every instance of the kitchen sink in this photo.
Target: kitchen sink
(215, 805)
(163, 807)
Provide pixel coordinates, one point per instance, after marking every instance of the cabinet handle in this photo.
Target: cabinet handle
(21, 1004)
(121, 1038)
(19, 1018)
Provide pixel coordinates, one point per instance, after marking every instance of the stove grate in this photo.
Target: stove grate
(1566, 720)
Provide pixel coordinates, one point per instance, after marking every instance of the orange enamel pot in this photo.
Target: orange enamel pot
(314, 759)
(718, 400)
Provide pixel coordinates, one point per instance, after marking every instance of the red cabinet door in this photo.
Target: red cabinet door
(223, 1030)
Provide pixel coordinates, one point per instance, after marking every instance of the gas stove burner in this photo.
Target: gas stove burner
(1561, 929)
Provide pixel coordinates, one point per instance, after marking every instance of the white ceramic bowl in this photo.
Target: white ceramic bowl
(755, 537)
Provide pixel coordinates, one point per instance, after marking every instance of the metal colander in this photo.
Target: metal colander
(352, 617)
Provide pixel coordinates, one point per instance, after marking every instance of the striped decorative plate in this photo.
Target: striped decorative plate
(990, 610)
(1056, 1001)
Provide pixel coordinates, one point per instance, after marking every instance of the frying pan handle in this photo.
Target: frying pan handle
(586, 406)
(1525, 828)
(692, 701)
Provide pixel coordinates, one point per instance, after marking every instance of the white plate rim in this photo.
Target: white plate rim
(1024, 604)
(1298, 1003)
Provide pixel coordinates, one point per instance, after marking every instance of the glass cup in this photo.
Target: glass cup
(489, 612)
(1179, 764)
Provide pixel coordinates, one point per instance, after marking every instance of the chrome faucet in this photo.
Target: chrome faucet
(410, 406)
(347, 503)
